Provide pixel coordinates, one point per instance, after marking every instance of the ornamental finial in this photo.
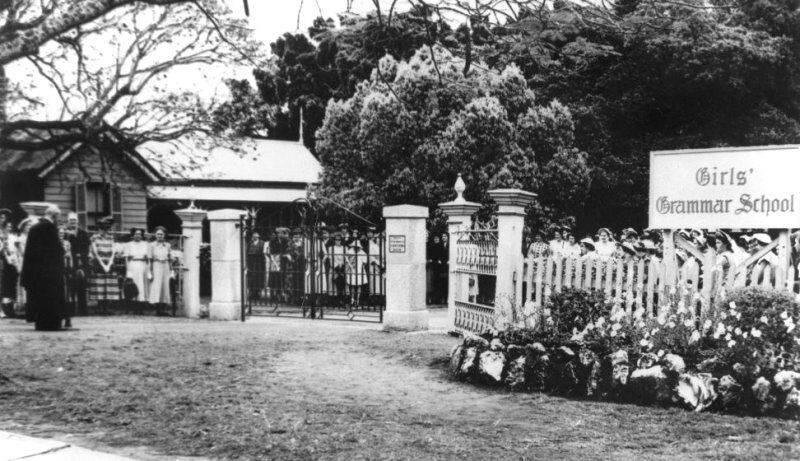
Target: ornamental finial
(460, 187)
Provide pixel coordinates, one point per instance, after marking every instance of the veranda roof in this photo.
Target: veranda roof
(255, 160)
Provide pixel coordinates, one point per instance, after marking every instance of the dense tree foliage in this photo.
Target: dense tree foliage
(615, 81)
(410, 129)
(328, 62)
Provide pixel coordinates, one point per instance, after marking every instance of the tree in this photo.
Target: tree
(307, 74)
(107, 63)
(410, 129)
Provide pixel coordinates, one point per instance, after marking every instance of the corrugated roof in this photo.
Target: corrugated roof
(261, 160)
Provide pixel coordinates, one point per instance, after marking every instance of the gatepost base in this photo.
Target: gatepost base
(406, 320)
(225, 310)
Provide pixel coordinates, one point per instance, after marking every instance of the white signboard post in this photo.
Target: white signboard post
(742, 187)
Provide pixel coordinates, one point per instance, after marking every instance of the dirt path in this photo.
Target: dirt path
(160, 389)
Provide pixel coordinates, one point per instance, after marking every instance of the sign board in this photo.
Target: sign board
(397, 244)
(743, 187)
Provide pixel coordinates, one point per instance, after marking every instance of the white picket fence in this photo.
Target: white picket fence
(644, 283)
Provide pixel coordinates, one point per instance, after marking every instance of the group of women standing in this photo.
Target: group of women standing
(138, 271)
(147, 270)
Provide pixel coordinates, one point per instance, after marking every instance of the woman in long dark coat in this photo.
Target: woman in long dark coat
(43, 273)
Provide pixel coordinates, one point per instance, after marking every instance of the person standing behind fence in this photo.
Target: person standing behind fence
(160, 271)
(557, 245)
(538, 247)
(605, 246)
(43, 272)
(80, 243)
(356, 266)
(256, 266)
(137, 253)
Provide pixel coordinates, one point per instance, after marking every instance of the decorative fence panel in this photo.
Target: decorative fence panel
(475, 271)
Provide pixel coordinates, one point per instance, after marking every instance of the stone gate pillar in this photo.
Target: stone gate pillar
(192, 230)
(459, 218)
(226, 265)
(511, 205)
(405, 267)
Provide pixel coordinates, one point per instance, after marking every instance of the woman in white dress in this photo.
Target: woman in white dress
(137, 253)
(160, 270)
(605, 246)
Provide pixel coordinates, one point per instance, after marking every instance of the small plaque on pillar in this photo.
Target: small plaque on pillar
(397, 244)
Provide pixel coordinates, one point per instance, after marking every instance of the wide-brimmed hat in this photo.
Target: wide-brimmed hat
(588, 242)
(647, 245)
(762, 238)
(629, 231)
(628, 248)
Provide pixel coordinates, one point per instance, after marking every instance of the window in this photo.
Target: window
(96, 200)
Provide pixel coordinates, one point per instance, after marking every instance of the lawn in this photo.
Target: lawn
(299, 389)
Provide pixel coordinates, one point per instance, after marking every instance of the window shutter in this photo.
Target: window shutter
(80, 202)
(116, 206)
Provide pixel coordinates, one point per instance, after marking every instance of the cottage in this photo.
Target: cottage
(142, 187)
(93, 182)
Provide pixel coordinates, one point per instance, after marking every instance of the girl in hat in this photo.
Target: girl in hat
(571, 249)
(538, 247)
(103, 284)
(605, 246)
(587, 249)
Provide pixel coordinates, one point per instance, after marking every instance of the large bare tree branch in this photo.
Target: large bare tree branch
(19, 39)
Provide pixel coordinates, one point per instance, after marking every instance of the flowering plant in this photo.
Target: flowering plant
(757, 329)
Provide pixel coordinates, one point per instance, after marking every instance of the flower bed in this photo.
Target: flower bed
(743, 357)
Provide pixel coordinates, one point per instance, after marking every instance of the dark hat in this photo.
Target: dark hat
(724, 238)
(297, 231)
(106, 222)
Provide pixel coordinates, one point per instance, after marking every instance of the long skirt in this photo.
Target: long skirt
(137, 271)
(103, 286)
(159, 287)
(46, 305)
(8, 286)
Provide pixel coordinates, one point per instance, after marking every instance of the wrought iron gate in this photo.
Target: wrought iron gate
(312, 272)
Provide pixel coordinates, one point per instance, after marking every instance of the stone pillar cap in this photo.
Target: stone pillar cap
(226, 214)
(512, 197)
(191, 214)
(459, 208)
(405, 211)
(35, 208)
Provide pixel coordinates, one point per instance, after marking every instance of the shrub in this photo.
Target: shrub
(754, 332)
(571, 310)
